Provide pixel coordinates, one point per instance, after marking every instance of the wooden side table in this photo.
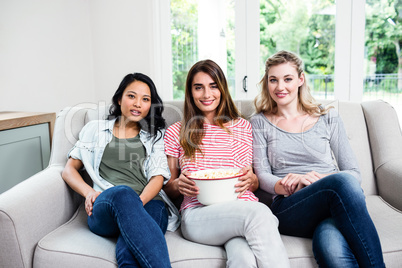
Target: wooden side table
(25, 142)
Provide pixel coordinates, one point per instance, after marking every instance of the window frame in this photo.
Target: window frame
(349, 49)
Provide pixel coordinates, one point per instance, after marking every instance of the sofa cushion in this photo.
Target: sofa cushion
(299, 251)
(74, 245)
(353, 119)
(184, 253)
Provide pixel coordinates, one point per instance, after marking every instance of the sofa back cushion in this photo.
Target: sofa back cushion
(69, 123)
(356, 130)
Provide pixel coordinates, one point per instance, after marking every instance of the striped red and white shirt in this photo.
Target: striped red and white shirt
(221, 150)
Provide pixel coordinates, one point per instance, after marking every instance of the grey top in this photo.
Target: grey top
(324, 148)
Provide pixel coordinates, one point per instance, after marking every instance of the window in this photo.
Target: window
(355, 56)
(226, 31)
(202, 29)
(217, 29)
(383, 57)
(306, 28)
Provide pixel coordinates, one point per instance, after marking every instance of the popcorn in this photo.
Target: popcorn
(215, 174)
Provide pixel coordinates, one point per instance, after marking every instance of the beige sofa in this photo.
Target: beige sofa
(42, 223)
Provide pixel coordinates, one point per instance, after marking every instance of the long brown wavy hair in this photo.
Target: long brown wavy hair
(192, 127)
(306, 102)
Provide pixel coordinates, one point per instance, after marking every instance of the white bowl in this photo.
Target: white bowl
(215, 190)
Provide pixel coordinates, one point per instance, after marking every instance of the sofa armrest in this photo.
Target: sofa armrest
(29, 211)
(386, 149)
(389, 182)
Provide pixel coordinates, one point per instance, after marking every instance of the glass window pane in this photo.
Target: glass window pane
(306, 28)
(383, 58)
(202, 29)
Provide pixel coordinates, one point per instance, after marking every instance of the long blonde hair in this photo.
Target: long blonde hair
(192, 127)
(306, 102)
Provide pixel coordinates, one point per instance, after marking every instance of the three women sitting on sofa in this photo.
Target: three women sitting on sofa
(289, 143)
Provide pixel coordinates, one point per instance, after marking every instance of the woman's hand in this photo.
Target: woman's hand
(152, 188)
(291, 182)
(90, 200)
(295, 182)
(73, 178)
(247, 182)
(304, 181)
(186, 186)
(314, 176)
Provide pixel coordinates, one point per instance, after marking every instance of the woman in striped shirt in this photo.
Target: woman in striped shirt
(213, 135)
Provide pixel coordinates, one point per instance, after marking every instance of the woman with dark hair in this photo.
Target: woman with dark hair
(125, 159)
(153, 121)
(212, 135)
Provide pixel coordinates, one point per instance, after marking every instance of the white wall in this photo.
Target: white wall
(58, 53)
(121, 34)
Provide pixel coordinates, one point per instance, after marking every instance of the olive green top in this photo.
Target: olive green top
(122, 163)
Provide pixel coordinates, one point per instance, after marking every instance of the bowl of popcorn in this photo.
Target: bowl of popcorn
(216, 185)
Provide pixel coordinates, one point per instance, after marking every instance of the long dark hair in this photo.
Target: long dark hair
(192, 128)
(153, 122)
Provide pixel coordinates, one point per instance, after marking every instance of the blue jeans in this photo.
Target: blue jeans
(333, 212)
(119, 212)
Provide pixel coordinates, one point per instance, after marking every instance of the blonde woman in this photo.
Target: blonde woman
(294, 139)
(213, 135)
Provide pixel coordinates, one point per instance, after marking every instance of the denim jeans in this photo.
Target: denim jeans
(333, 212)
(247, 230)
(119, 212)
